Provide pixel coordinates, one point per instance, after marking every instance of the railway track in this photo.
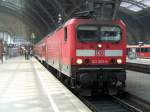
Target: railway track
(121, 103)
(107, 103)
(135, 101)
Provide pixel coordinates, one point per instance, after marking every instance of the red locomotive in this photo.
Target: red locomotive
(136, 51)
(87, 53)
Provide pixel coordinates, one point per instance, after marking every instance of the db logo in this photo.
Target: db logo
(100, 53)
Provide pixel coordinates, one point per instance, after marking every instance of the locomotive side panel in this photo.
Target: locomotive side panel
(53, 50)
(67, 49)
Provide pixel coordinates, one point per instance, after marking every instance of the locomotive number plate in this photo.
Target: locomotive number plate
(100, 53)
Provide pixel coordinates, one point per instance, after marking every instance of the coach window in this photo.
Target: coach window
(148, 49)
(142, 49)
(65, 34)
(137, 50)
(145, 49)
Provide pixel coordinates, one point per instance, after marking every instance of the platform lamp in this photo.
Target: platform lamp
(59, 19)
(140, 44)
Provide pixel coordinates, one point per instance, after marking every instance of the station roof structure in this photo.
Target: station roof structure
(43, 14)
(136, 5)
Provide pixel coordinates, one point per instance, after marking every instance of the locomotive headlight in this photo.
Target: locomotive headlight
(79, 61)
(119, 61)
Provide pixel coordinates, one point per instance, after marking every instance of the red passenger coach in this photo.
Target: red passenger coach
(89, 53)
(40, 50)
(136, 51)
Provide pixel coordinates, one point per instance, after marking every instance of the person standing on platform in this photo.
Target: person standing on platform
(1, 50)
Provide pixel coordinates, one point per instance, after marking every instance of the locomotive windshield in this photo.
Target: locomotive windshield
(96, 33)
(88, 33)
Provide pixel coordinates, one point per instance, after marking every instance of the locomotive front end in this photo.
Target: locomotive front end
(100, 55)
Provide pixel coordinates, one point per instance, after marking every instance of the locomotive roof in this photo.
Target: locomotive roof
(92, 20)
(86, 21)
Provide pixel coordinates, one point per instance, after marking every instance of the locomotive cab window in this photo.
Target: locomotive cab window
(65, 34)
(87, 33)
(110, 33)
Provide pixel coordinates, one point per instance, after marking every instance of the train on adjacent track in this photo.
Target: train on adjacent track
(87, 53)
(136, 51)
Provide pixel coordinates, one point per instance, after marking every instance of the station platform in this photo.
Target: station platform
(140, 65)
(139, 61)
(26, 86)
(138, 80)
(138, 84)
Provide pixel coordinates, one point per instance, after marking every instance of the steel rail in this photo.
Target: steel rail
(108, 104)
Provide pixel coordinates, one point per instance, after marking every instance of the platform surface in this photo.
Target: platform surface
(139, 61)
(26, 86)
(138, 84)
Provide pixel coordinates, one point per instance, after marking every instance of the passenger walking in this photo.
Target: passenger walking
(31, 53)
(26, 54)
(1, 50)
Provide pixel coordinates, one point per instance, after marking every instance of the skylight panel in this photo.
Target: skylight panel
(125, 4)
(15, 2)
(138, 0)
(146, 2)
(131, 5)
(134, 8)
